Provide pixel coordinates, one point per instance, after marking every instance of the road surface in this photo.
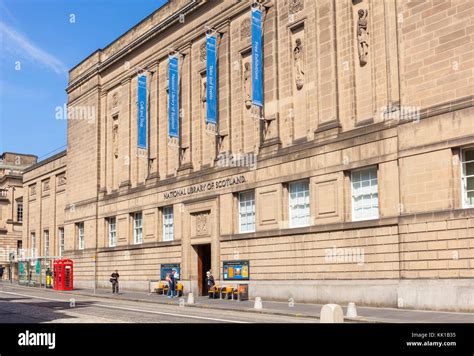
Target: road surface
(31, 305)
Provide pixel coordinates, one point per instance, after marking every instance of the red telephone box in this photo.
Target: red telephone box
(63, 274)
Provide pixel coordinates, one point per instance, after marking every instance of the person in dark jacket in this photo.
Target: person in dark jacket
(210, 280)
(172, 282)
(115, 283)
(1, 272)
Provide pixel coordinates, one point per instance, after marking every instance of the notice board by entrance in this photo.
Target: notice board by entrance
(168, 267)
(236, 270)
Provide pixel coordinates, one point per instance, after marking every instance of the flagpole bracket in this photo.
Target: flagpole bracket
(211, 31)
(139, 70)
(172, 52)
(220, 139)
(258, 4)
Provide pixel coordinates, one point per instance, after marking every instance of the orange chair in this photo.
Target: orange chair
(226, 292)
(213, 292)
(179, 289)
(162, 288)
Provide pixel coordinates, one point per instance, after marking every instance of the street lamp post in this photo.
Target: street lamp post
(11, 258)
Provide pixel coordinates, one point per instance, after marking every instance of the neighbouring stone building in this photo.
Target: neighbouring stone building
(355, 184)
(12, 166)
(45, 187)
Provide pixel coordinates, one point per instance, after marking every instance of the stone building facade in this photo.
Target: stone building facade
(45, 188)
(354, 183)
(12, 166)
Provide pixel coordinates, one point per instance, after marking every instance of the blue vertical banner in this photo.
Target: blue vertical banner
(173, 102)
(142, 111)
(211, 81)
(257, 58)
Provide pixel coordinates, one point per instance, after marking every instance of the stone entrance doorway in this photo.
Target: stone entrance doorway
(204, 265)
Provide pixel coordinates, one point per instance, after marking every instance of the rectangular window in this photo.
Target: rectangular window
(19, 249)
(19, 212)
(80, 236)
(247, 211)
(299, 203)
(365, 197)
(168, 224)
(33, 245)
(61, 242)
(46, 243)
(112, 231)
(467, 177)
(137, 228)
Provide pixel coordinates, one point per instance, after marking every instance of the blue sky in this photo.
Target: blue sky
(40, 40)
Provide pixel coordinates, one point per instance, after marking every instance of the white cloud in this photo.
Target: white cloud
(15, 41)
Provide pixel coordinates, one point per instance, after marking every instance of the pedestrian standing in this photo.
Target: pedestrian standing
(1, 272)
(115, 283)
(172, 289)
(49, 278)
(209, 281)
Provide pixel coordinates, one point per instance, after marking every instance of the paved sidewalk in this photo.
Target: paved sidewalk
(366, 314)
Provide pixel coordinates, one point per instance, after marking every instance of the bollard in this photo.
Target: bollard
(351, 311)
(258, 303)
(331, 313)
(190, 298)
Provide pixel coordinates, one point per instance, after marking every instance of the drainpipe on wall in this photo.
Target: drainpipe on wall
(97, 196)
(95, 270)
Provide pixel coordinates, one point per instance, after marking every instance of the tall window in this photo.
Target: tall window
(168, 224)
(247, 211)
(80, 235)
(467, 177)
(46, 243)
(365, 197)
(19, 249)
(33, 245)
(137, 228)
(112, 231)
(299, 203)
(61, 242)
(19, 212)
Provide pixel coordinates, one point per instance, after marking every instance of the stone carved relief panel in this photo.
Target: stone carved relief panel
(295, 6)
(46, 185)
(203, 89)
(298, 114)
(202, 52)
(115, 135)
(115, 101)
(362, 36)
(201, 223)
(245, 29)
(363, 65)
(249, 127)
(113, 140)
(298, 63)
(62, 179)
(247, 83)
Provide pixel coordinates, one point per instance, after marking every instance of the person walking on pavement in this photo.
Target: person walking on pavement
(168, 280)
(172, 289)
(49, 278)
(1, 272)
(115, 283)
(210, 281)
